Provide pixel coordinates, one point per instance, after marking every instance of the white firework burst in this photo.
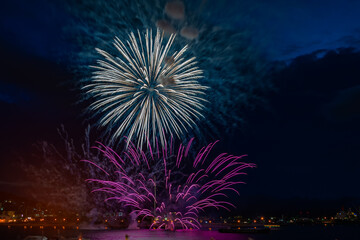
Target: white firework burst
(145, 92)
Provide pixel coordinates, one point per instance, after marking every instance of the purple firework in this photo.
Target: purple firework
(153, 184)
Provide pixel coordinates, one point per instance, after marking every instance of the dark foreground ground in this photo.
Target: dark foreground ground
(317, 232)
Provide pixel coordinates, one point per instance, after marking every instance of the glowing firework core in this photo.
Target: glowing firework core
(145, 92)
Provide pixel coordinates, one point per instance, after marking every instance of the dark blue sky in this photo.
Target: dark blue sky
(305, 140)
(300, 27)
(292, 28)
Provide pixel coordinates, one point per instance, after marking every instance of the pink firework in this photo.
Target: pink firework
(154, 184)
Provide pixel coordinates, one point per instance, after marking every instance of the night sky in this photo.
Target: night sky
(304, 138)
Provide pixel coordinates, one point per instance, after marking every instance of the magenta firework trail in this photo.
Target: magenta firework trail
(154, 185)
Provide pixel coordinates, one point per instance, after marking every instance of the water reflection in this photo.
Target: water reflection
(160, 235)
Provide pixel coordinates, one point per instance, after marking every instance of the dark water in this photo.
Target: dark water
(346, 232)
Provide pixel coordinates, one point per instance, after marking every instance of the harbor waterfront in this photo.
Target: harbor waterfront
(294, 232)
(19, 220)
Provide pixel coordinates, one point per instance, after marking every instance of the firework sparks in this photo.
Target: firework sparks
(232, 57)
(62, 176)
(154, 186)
(146, 92)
